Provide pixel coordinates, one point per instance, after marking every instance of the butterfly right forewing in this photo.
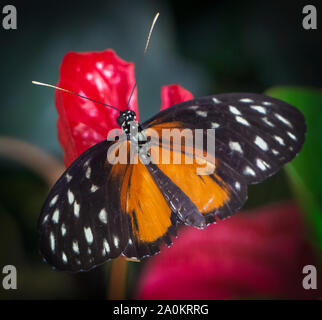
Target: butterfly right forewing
(81, 224)
(255, 135)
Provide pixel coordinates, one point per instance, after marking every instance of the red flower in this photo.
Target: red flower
(104, 77)
(173, 94)
(252, 255)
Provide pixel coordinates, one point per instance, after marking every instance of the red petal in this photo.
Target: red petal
(260, 254)
(173, 94)
(101, 76)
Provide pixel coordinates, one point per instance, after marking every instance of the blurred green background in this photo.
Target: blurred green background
(207, 47)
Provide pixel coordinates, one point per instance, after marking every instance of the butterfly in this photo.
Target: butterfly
(99, 210)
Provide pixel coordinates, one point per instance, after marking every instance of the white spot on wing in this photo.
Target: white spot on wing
(237, 185)
(291, 135)
(201, 113)
(116, 241)
(193, 107)
(279, 140)
(266, 103)
(246, 100)
(261, 143)
(242, 121)
(214, 125)
(64, 257)
(55, 216)
(52, 242)
(106, 246)
(75, 247)
(259, 109)
(215, 100)
(275, 152)
(284, 120)
(234, 110)
(45, 219)
(94, 188)
(76, 209)
(235, 146)
(88, 235)
(103, 215)
(88, 172)
(260, 164)
(71, 197)
(68, 177)
(63, 229)
(86, 163)
(249, 171)
(268, 122)
(53, 200)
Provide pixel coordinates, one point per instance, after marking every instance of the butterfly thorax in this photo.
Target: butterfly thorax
(127, 121)
(124, 120)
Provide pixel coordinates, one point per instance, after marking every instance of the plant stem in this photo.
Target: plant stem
(117, 285)
(32, 157)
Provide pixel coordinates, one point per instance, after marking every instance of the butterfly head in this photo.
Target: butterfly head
(125, 118)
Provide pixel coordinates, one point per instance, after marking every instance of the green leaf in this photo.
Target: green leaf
(305, 170)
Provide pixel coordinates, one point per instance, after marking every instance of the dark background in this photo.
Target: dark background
(207, 47)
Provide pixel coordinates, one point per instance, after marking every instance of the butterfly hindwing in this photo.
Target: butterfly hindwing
(151, 220)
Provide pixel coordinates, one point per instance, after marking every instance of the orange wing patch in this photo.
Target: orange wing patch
(207, 192)
(142, 200)
(150, 213)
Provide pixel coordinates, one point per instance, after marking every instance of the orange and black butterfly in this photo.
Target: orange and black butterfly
(98, 210)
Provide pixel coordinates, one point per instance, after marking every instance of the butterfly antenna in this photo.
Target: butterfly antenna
(61, 89)
(145, 50)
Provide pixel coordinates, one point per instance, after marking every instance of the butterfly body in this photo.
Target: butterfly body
(98, 210)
